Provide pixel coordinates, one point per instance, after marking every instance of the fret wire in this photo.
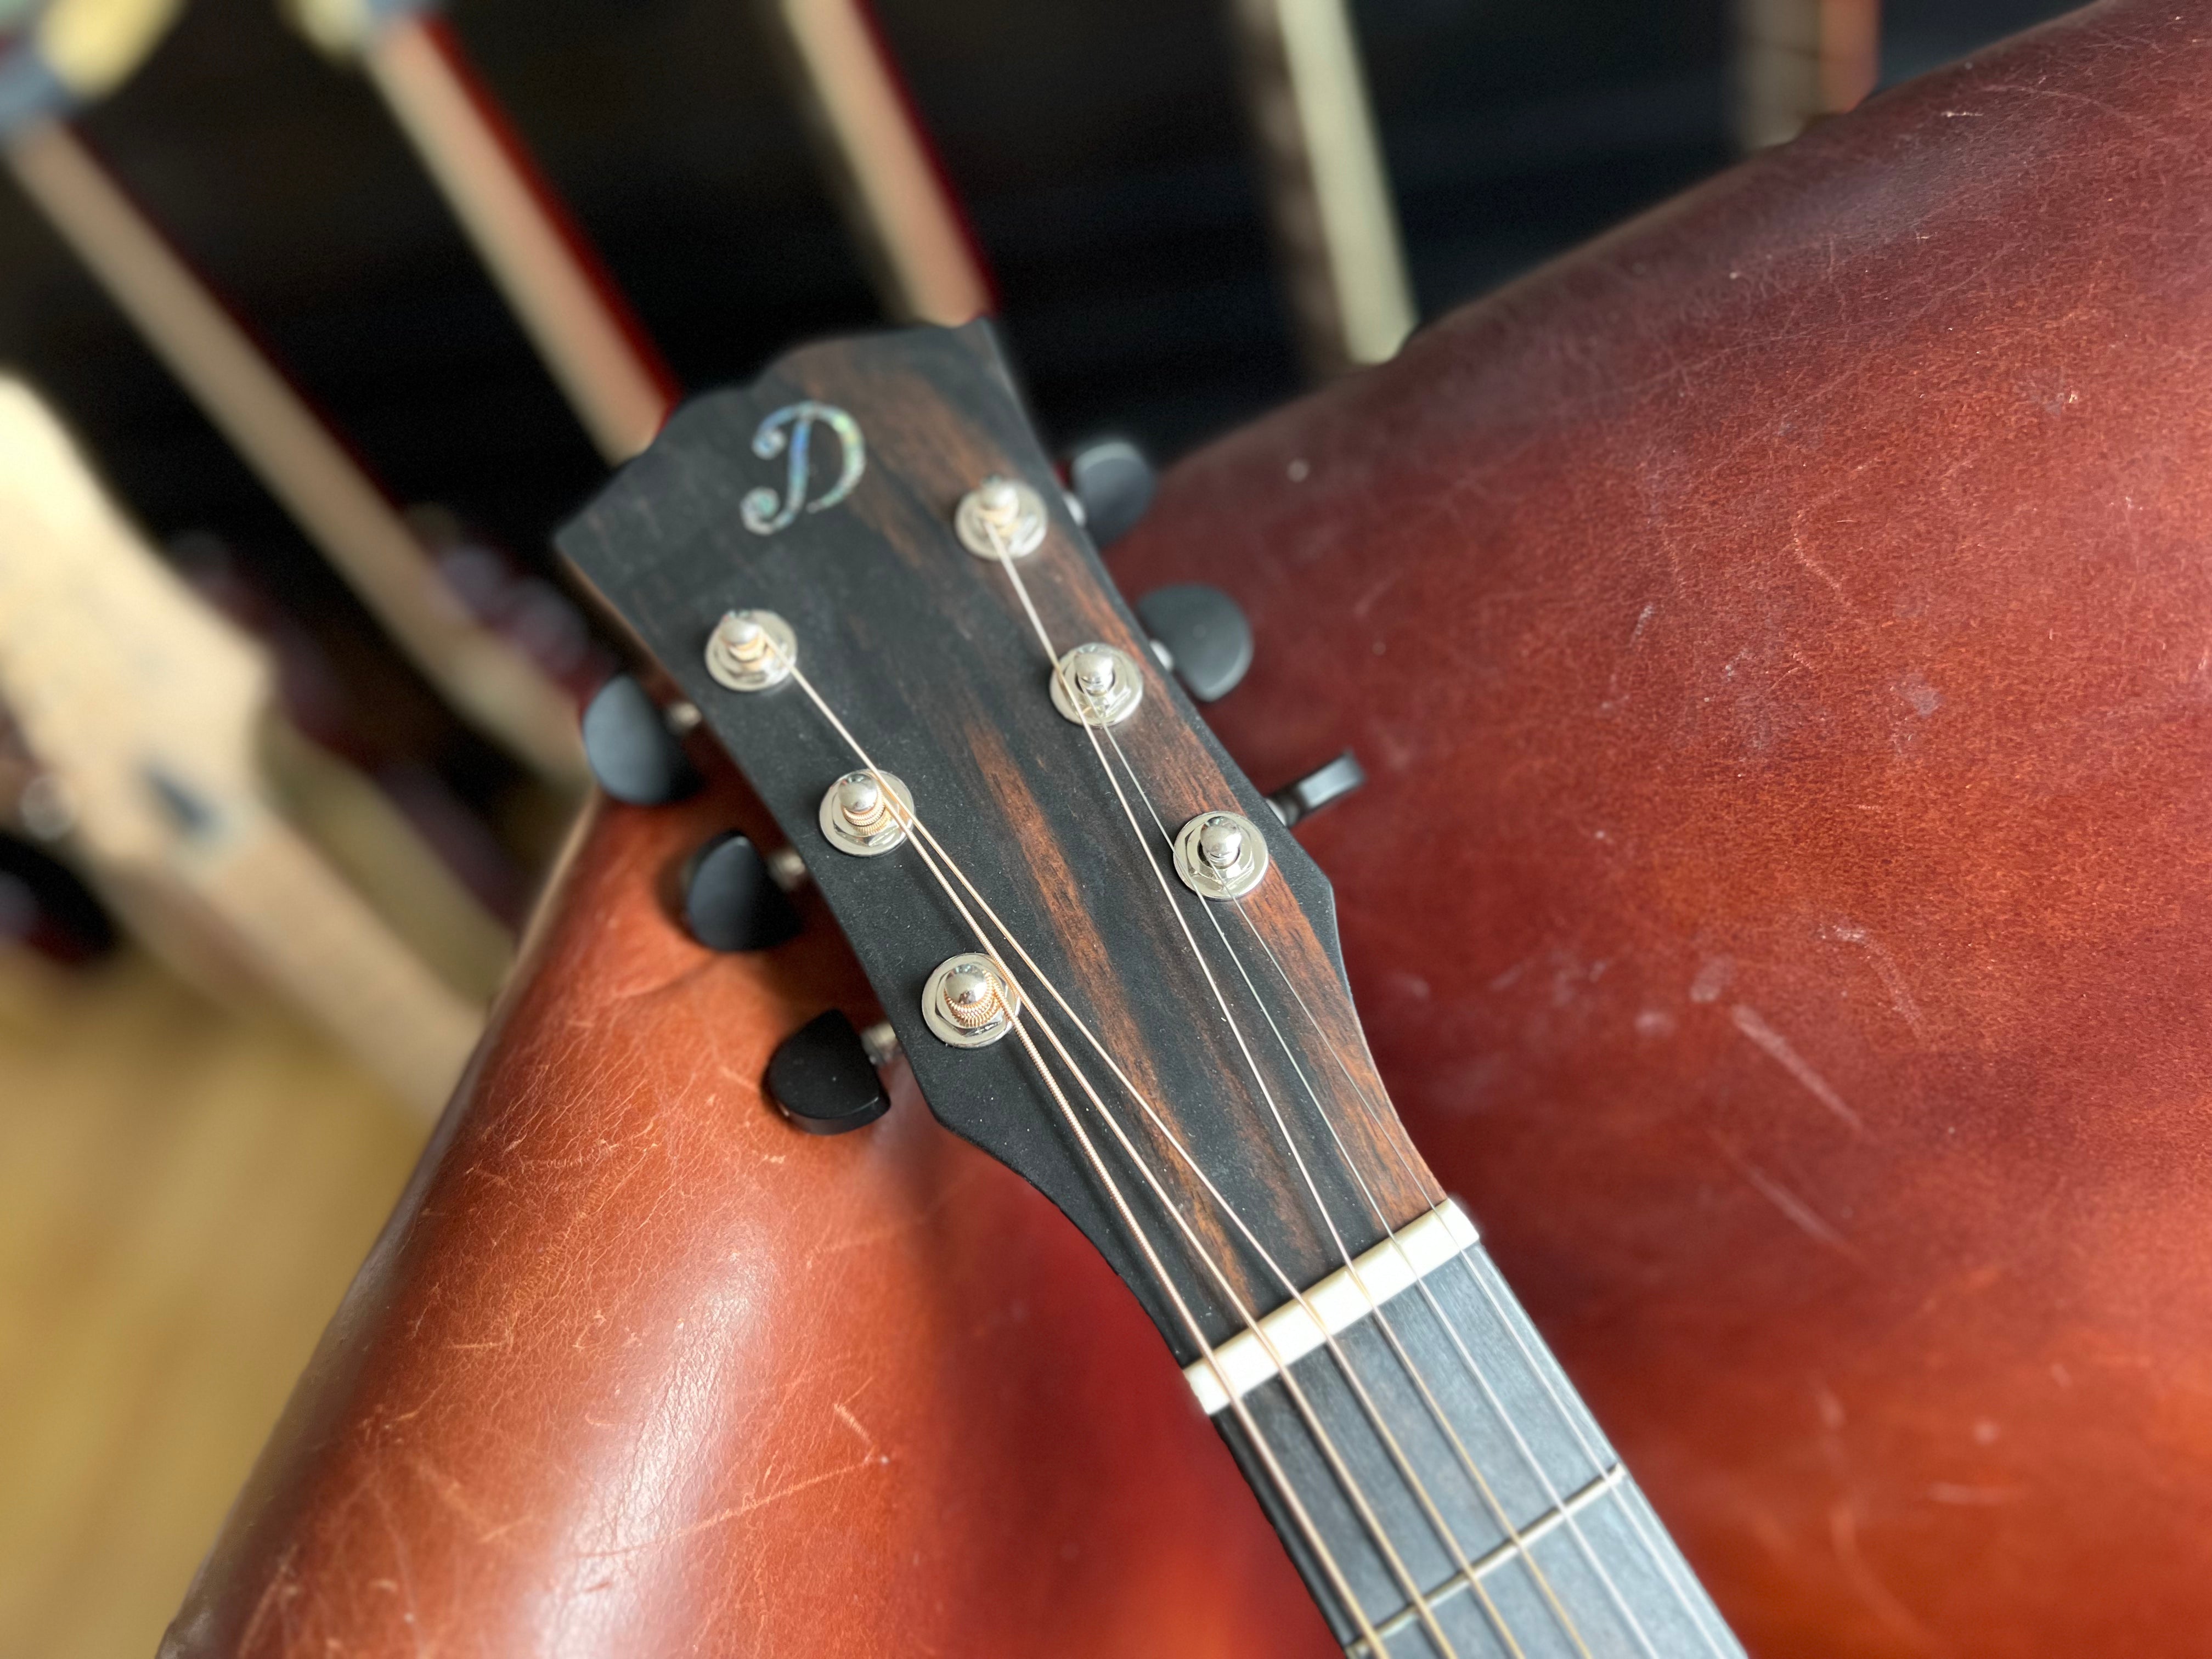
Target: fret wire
(1661, 1558)
(1444, 1532)
(923, 835)
(1561, 1513)
(1474, 1369)
(1081, 701)
(1651, 1547)
(1382, 1319)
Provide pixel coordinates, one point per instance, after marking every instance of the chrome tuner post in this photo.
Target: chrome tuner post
(967, 1002)
(751, 650)
(1001, 519)
(1106, 682)
(1220, 855)
(857, 818)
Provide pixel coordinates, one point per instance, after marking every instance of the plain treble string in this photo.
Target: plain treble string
(1389, 1331)
(1296, 1395)
(1650, 1546)
(1303, 1519)
(1080, 699)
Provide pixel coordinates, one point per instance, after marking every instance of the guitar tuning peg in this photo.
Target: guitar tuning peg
(633, 748)
(1201, 634)
(1322, 786)
(823, 1079)
(731, 898)
(1111, 483)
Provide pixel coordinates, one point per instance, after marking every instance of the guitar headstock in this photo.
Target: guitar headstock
(1209, 1085)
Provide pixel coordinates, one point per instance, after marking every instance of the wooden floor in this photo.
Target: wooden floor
(185, 1192)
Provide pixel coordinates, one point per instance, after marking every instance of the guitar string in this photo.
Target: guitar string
(1474, 1369)
(1383, 1322)
(1381, 1317)
(1412, 1591)
(1275, 1470)
(1276, 1473)
(1382, 1124)
(1445, 1534)
(1416, 1598)
(924, 835)
(1304, 1520)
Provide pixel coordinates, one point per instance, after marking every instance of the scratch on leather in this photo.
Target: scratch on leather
(1749, 1022)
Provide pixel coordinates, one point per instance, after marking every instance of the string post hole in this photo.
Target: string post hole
(967, 1002)
(751, 650)
(1220, 855)
(866, 813)
(1001, 519)
(1097, 684)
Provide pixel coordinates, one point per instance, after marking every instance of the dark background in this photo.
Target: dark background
(1098, 145)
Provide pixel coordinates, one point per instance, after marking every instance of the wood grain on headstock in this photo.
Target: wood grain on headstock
(924, 651)
(639, 1368)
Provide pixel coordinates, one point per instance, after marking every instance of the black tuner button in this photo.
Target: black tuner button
(730, 902)
(823, 1079)
(1317, 789)
(631, 751)
(1203, 634)
(1112, 482)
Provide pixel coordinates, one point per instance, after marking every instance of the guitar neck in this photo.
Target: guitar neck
(1457, 1497)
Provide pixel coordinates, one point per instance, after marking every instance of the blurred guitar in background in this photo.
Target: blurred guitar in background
(152, 725)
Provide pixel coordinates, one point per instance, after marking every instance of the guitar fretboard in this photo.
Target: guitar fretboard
(1525, 1537)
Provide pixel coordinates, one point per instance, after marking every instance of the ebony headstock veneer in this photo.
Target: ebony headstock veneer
(924, 652)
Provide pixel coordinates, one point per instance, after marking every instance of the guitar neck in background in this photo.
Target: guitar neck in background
(1797, 61)
(1327, 190)
(488, 680)
(589, 338)
(893, 190)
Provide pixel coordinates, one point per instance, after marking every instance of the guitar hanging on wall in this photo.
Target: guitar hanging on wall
(1111, 968)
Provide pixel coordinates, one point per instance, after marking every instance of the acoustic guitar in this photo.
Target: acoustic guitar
(1108, 966)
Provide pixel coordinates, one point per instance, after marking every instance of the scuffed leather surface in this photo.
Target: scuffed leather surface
(1779, 637)
(639, 1368)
